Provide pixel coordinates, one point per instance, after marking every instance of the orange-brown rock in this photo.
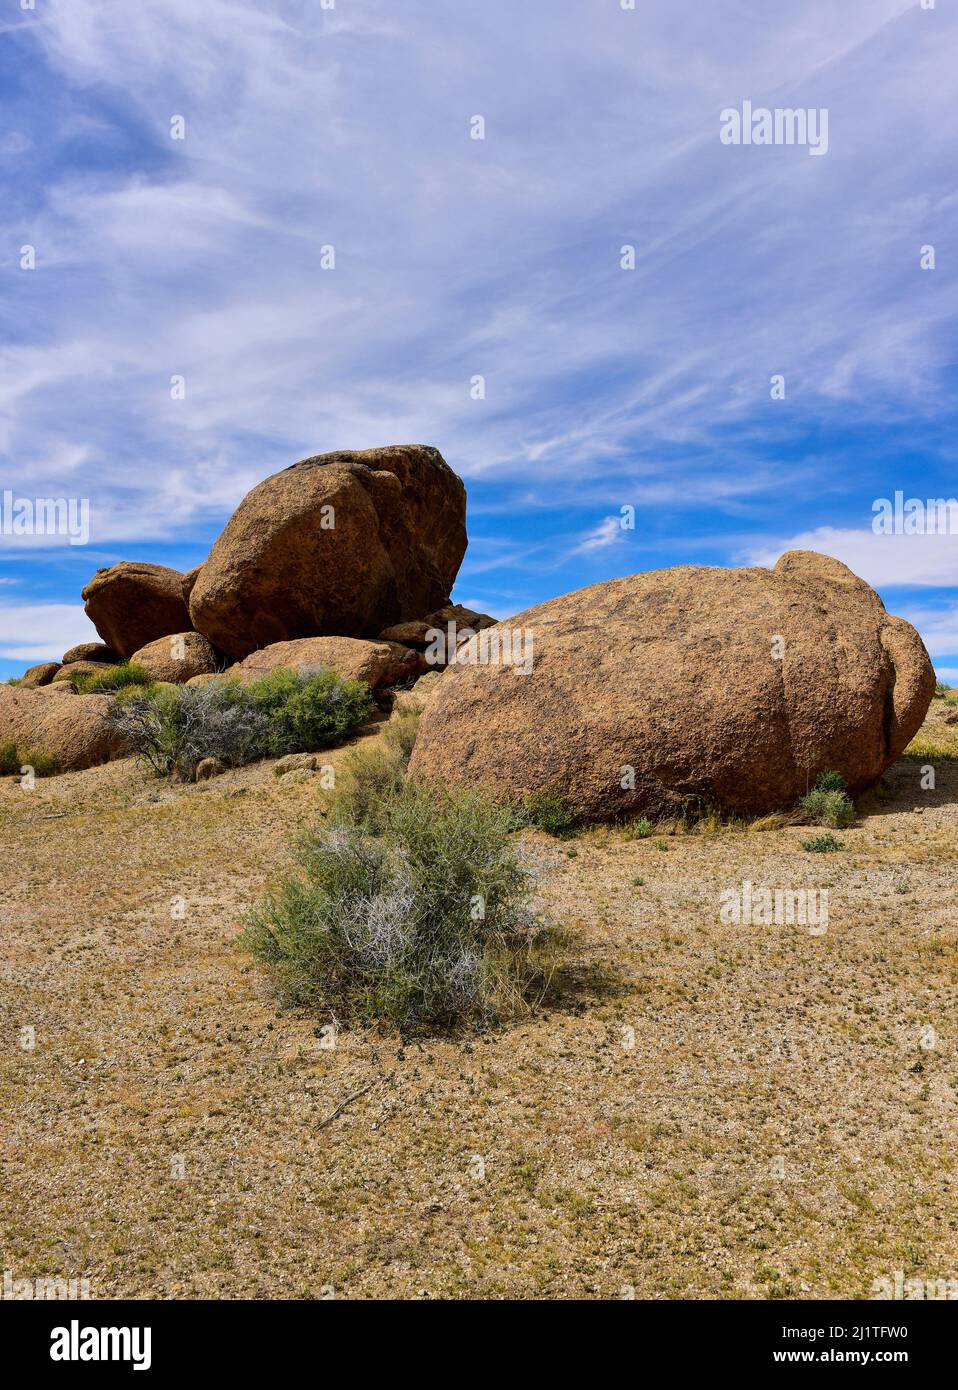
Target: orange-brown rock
(352, 658)
(179, 657)
(133, 603)
(342, 544)
(91, 651)
(735, 687)
(71, 728)
(39, 675)
(81, 668)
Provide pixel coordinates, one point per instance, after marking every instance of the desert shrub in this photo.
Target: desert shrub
(830, 782)
(942, 688)
(823, 844)
(174, 730)
(401, 730)
(9, 762)
(126, 674)
(639, 829)
(547, 810)
(307, 712)
(369, 778)
(424, 925)
(827, 807)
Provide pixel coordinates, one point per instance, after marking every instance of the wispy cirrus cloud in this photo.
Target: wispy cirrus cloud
(497, 258)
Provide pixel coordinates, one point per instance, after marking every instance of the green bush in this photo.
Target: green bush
(9, 762)
(126, 674)
(823, 844)
(639, 829)
(174, 729)
(821, 807)
(942, 688)
(425, 925)
(830, 782)
(548, 810)
(306, 713)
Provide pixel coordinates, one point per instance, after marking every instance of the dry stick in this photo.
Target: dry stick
(349, 1100)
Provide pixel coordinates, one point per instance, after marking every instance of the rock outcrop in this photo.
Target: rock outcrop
(735, 687)
(71, 728)
(133, 603)
(343, 544)
(376, 663)
(39, 675)
(179, 657)
(92, 651)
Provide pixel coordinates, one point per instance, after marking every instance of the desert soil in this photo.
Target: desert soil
(699, 1110)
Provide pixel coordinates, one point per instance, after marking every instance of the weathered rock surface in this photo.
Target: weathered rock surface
(92, 651)
(69, 727)
(41, 674)
(81, 668)
(674, 674)
(376, 663)
(133, 603)
(179, 657)
(342, 544)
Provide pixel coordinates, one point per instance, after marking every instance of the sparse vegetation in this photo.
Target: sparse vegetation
(12, 760)
(173, 730)
(942, 688)
(417, 917)
(827, 803)
(823, 844)
(548, 810)
(120, 677)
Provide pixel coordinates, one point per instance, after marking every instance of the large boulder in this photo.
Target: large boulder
(133, 603)
(376, 663)
(735, 687)
(91, 651)
(179, 657)
(39, 675)
(71, 728)
(343, 544)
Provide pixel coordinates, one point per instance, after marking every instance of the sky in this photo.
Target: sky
(768, 361)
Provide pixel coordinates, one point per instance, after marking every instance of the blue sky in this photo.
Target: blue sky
(308, 127)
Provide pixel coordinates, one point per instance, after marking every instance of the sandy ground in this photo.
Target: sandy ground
(702, 1109)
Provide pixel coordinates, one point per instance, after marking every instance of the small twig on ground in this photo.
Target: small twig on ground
(349, 1100)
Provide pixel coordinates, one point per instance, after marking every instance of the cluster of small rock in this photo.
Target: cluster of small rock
(344, 560)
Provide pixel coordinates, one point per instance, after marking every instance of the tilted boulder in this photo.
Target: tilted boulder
(91, 651)
(376, 663)
(133, 603)
(342, 544)
(735, 687)
(39, 675)
(71, 669)
(73, 729)
(179, 657)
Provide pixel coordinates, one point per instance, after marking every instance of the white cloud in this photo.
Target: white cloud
(929, 561)
(457, 257)
(31, 632)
